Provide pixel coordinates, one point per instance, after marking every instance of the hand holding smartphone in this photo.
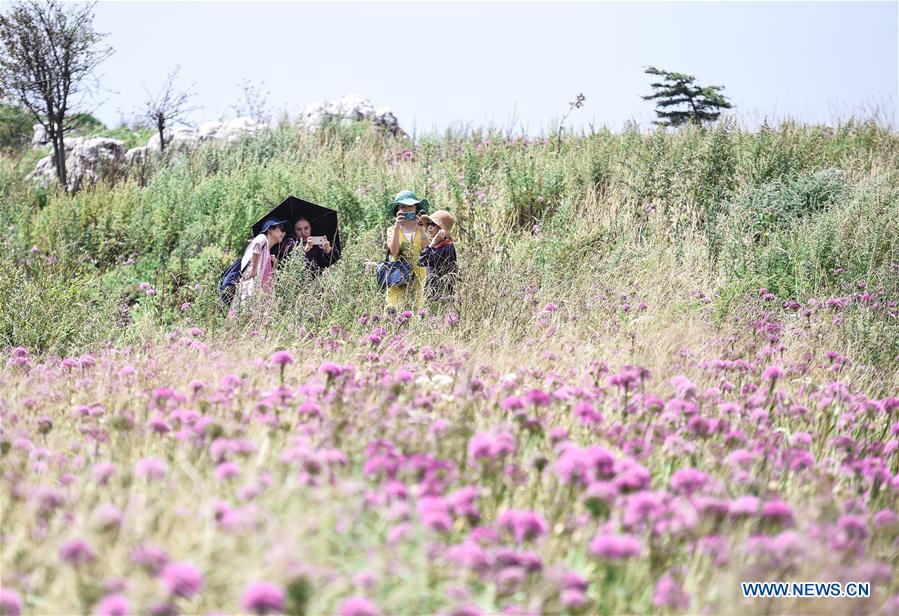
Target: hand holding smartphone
(317, 240)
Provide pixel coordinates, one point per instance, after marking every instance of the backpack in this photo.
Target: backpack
(230, 278)
(394, 273)
(397, 273)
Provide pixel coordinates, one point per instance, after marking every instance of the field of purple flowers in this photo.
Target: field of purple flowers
(396, 468)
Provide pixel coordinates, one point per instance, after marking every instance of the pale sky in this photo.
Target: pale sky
(439, 65)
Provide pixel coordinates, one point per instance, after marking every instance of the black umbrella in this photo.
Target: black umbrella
(322, 219)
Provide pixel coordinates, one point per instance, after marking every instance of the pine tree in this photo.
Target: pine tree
(701, 104)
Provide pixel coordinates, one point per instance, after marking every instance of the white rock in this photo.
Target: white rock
(93, 159)
(209, 130)
(39, 137)
(72, 142)
(44, 172)
(87, 160)
(136, 156)
(350, 108)
(232, 130)
(179, 138)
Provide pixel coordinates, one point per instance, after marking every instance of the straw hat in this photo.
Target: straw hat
(442, 219)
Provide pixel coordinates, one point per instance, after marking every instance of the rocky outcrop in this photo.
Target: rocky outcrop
(179, 139)
(182, 138)
(87, 160)
(350, 108)
(39, 137)
(136, 156)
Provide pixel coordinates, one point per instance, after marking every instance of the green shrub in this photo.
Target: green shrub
(782, 208)
(49, 307)
(15, 127)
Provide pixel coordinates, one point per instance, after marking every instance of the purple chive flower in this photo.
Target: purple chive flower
(480, 446)
(745, 506)
(182, 579)
(512, 403)
(434, 512)
(615, 547)
(884, 517)
(152, 558)
(113, 605)
(263, 598)
(486, 446)
(777, 511)
(772, 373)
(109, 516)
(669, 594)
(151, 469)
(683, 387)
(573, 598)
(330, 369)
(522, 524)
(573, 580)
(282, 358)
(688, 480)
(77, 552)
(469, 555)
(851, 530)
(226, 471)
(103, 471)
(537, 397)
(10, 602)
(588, 415)
(358, 606)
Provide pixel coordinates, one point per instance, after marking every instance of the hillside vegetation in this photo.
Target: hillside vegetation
(673, 368)
(805, 212)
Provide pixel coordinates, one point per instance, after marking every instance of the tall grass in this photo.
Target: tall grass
(783, 208)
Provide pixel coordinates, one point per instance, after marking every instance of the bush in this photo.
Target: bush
(52, 307)
(15, 127)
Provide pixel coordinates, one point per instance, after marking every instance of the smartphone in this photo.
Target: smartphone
(317, 240)
(410, 216)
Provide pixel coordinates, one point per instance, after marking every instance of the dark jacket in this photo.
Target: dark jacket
(440, 260)
(316, 258)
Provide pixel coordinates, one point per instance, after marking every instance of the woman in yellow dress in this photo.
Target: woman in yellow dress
(406, 241)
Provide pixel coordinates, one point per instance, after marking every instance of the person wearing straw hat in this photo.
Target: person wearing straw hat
(439, 256)
(406, 243)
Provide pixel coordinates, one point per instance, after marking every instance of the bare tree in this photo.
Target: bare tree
(168, 107)
(254, 102)
(48, 53)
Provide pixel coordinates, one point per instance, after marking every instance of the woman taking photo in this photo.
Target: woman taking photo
(405, 242)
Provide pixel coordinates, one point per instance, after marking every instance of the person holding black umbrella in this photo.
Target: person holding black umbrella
(257, 264)
(318, 249)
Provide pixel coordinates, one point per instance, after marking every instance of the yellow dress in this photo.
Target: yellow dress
(412, 295)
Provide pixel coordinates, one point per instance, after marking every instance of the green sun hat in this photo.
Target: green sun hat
(407, 197)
